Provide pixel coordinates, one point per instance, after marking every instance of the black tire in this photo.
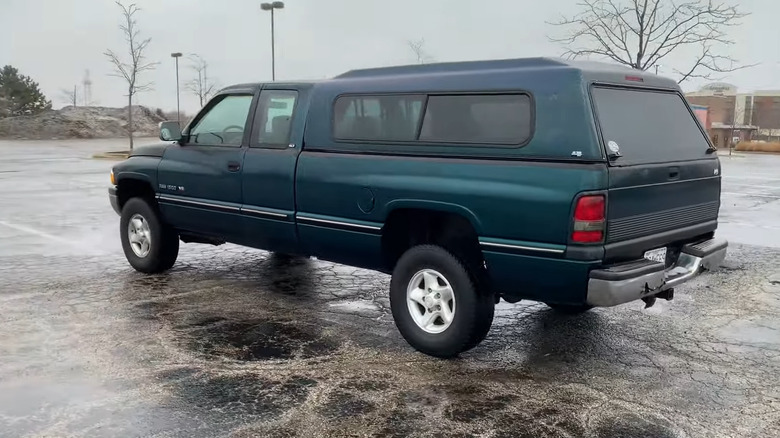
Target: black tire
(164, 247)
(567, 309)
(474, 309)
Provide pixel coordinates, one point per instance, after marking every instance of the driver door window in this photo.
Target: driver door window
(223, 124)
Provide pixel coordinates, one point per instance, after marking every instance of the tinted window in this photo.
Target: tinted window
(273, 120)
(490, 119)
(224, 122)
(648, 126)
(378, 118)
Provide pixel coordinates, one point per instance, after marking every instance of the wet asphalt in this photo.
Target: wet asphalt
(236, 342)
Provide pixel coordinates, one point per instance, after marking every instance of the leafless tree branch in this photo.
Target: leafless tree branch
(640, 33)
(130, 69)
(707, 64)
(201, 86)
(418, 49)
(70, 95)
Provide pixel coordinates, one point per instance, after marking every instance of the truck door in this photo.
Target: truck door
(268, 179)
(200, 179)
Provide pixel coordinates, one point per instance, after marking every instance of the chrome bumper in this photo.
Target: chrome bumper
(631, 281)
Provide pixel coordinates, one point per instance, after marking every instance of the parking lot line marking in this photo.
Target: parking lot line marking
(768, 177)
(746, 224)
(754, 185)
(35, 232)
(750, 194)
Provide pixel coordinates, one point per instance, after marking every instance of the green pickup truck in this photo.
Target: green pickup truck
(575, 184)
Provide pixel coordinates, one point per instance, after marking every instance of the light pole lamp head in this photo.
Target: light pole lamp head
(176, 55)
(278, 5)
(269, 6)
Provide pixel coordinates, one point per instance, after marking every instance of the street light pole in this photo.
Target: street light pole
(176, 56)
(271, 7)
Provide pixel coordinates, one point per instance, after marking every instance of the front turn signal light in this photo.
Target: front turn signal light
(113, 180)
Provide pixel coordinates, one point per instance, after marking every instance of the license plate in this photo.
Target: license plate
(656, 255)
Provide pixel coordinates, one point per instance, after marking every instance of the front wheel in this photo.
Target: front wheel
(149, 244)
(435, 302)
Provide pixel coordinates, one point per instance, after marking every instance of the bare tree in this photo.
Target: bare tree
(418, 48)
(70, 96)
(131, 69)
(201, 86)
(640, 33)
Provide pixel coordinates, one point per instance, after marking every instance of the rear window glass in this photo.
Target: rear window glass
(377, 118)
(487, 118)
(471, 119)
(648, 126)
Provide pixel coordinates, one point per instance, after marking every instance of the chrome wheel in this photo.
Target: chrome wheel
(139, 235)
(431, 301)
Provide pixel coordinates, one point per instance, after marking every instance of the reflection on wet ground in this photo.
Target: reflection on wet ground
(237, 342)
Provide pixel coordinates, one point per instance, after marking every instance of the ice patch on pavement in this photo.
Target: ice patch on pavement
(357, 306)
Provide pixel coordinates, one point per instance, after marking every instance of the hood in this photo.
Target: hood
(153, 150)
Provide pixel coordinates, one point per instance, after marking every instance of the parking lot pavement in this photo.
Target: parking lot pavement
(750, 209)
(235, 342)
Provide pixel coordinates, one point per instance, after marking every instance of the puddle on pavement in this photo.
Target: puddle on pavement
(634, 426)
(257, 340)
(245, 395)
(477, 409)
(345, 405)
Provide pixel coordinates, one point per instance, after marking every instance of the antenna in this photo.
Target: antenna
(87, 82)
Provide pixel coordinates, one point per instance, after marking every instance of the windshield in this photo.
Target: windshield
(646, 126)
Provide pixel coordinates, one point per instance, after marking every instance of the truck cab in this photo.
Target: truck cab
(579, 185)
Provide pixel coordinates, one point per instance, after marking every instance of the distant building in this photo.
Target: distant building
(757, 114)
(703, 114)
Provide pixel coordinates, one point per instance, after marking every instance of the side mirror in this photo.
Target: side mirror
(170, 131)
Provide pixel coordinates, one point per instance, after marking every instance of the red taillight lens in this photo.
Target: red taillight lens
(590, 208)
(589, 214)
(587, 236)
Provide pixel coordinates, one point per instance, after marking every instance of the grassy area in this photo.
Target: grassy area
(752, 146)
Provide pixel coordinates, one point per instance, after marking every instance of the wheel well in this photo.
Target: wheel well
(406, 228)
(133, 188)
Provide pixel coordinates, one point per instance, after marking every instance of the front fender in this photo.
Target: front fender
(142, 168)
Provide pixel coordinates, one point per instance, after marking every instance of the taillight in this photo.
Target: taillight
(589, 214)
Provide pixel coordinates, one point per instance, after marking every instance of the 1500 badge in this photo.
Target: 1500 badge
(171, 187)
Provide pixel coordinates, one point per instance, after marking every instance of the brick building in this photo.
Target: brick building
(757, 114)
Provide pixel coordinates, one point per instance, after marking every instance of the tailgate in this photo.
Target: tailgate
(664, 182)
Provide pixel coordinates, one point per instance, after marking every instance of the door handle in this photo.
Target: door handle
(674, 172)
(233, 166)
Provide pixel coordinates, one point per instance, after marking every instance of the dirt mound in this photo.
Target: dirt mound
(755, 146)
(81, 122)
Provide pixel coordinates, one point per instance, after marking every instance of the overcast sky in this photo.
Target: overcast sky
(55, 41)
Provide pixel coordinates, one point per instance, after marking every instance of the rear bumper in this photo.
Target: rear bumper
(114, 199)
(631, 281)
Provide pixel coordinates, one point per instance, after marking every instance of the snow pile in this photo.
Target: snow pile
(82, 122)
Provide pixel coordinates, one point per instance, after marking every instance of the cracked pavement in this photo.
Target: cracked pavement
(236, 342)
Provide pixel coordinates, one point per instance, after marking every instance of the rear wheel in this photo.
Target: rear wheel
(567, 309)
(436, 304)
(150, 245)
